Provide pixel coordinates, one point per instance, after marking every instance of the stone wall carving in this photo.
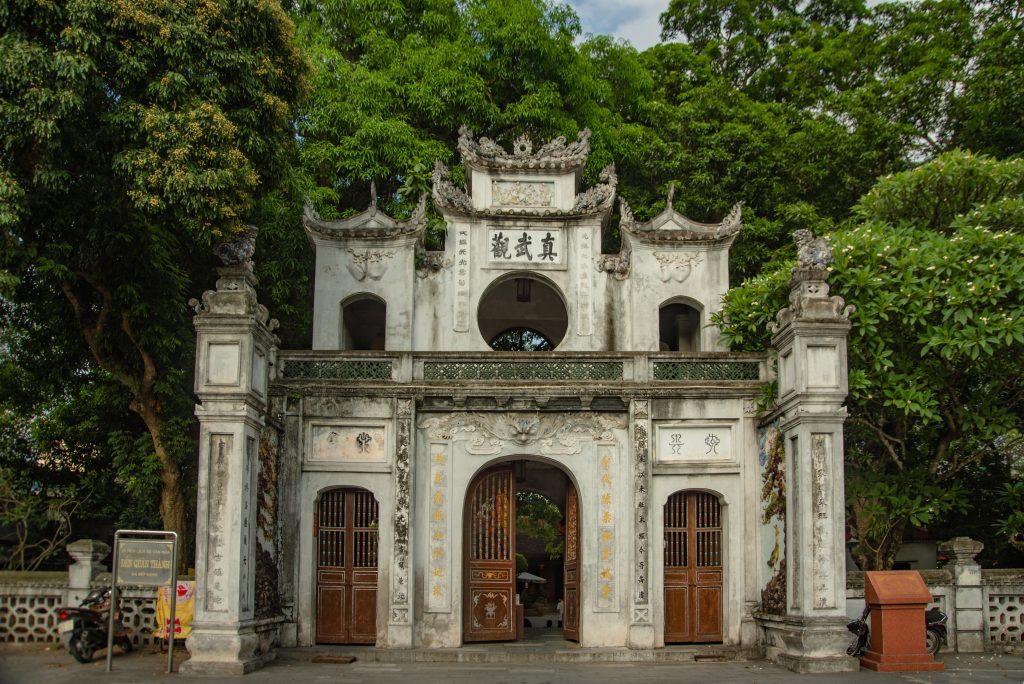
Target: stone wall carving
(821, 509)
(676, 266)
(489, 433)
(216, 536)
(522, 193)
(641, 513)
(599, 197)
(268, 595)
(368, 263)
(400, 613)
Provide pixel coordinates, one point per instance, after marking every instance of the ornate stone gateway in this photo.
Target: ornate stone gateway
(490, 596)
(346, 577)
(693, 568)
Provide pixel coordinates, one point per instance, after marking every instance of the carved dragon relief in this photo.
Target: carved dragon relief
(489, 434)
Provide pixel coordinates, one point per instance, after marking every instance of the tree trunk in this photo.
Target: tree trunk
(876, 550)
(172, 496)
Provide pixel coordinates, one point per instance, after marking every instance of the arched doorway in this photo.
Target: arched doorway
(490, 548)
(679, 327)
(693, 568)
(346, 528)
(363, 323)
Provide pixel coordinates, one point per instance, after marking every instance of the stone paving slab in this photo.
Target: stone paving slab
(36, 664)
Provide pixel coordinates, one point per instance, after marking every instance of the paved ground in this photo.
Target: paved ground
(38, 665)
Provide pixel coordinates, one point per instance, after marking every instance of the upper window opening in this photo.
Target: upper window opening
(363, 324)
(521, 339)
(679, 328)
(522, 313)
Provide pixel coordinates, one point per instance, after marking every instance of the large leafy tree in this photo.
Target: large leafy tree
(134, 135)
(932, 263)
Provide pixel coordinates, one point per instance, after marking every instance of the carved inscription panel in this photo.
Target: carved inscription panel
(683, 443)
(334, 443)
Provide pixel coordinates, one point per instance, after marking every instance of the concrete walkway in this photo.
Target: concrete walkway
(39, 664)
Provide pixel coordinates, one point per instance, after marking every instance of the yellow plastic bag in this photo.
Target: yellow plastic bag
(184, 610)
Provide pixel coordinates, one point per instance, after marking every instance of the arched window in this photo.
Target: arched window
(679, 328)
(522, 313)
(363, 323)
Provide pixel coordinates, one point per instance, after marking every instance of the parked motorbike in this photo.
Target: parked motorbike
(85, 627)
(934, 634)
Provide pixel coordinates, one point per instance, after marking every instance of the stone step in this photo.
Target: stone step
(523, 652)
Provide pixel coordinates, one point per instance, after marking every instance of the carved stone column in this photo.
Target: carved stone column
(641, 629)
(400, 614)
(810, 337)
(235, 348)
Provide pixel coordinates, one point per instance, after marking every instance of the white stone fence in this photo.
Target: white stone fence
(985, 607)
(30, 602)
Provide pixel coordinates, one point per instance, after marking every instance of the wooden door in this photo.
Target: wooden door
(693, 568)
(571, 604)
(490, 557)
(346, 576)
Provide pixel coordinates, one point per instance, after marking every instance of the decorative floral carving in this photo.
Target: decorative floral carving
(676, 266)
(400, 556)
(368, 263)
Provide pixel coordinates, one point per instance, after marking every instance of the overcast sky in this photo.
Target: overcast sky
(634, 20)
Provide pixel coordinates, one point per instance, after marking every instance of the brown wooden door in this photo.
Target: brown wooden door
(346, 576)
(693, 568)
(490, 557)
(571, 605)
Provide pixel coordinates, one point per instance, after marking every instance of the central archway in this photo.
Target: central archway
(505, 576)
(522, 312)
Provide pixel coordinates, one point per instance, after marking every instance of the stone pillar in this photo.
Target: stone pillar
(810, 337)
(400, 614)
(235, 348)
(641, 629)
(87, 554)
(968, 605)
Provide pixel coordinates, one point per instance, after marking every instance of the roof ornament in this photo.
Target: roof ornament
(556, 154)
(812, 252)
(444, 191)
(240, 250)
(733, 221)
(600, 196)
(671, 194)
(373, 198)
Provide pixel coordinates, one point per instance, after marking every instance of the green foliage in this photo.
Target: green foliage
(932, 265)
(136, 134)
(537, 517)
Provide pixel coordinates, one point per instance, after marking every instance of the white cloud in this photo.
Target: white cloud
(633, 20)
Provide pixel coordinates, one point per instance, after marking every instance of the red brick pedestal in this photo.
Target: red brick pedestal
(898, 599)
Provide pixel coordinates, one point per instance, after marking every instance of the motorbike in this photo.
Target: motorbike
(85, 627)
(934, 634)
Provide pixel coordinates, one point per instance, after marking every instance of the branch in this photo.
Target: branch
(888, 441)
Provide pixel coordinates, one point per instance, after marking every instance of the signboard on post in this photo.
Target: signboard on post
(145, 558)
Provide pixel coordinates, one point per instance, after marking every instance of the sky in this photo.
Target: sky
(634, 20)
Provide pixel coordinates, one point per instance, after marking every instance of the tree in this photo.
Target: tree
(932, 264)
(134, 136)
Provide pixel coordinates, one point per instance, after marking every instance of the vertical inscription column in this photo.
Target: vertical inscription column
(641, 630)
(400, 621)
(584, 284)
(439, 559)
(461, 304)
